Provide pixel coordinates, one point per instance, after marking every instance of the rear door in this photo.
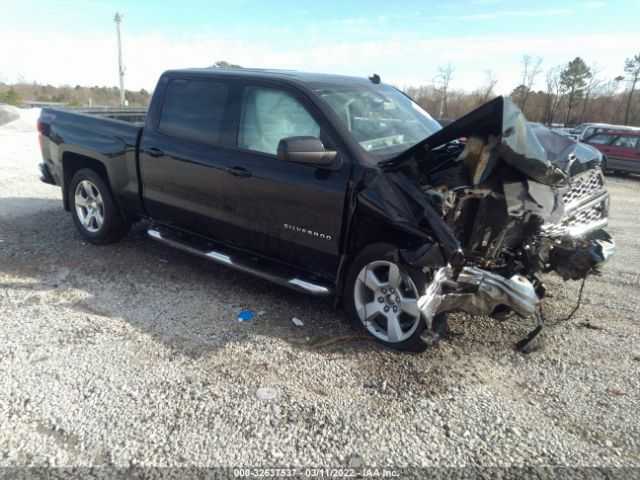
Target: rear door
(185, 154)
(622, 154)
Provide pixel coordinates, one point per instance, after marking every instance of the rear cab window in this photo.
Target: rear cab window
(195, 109)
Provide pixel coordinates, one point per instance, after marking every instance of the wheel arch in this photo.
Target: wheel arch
(386, 253)
(72, 163)
(369, 230)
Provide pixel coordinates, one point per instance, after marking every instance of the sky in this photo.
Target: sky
(404, 41)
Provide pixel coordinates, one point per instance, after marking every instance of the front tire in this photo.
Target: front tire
(381, 297)
(94, 212)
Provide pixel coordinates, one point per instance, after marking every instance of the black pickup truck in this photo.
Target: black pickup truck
(341, 187)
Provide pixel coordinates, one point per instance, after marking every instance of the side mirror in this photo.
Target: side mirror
(306, 150)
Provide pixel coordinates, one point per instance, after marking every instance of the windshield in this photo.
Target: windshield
(381, 119)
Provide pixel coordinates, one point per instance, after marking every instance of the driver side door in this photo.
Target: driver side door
(287, 211)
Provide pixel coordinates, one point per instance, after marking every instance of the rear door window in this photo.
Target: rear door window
(195, 109)
(268, 116)
(600, 139)
(625, 141)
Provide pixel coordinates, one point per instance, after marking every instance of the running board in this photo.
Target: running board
(285, 277)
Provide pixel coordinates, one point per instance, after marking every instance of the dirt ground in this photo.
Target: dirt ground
(130, 354)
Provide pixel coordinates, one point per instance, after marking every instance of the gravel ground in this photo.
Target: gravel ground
(130, 354)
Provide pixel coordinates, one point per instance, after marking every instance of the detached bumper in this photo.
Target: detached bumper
(573, 263)
(477, 292)
(480, 292)
(46, 176)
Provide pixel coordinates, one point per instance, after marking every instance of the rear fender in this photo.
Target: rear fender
(71, 163)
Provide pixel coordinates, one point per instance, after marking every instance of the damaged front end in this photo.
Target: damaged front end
(494, 211)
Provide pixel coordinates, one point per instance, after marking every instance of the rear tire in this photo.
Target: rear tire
(380, 297)
(94, 212)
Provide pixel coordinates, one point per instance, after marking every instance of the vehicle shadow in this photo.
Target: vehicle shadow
(187, 303)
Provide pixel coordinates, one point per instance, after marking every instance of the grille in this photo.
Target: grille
(581, 214)
(581, 220)
(588, 218)
(583, 186)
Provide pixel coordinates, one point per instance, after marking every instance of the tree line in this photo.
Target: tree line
(19, 92)
(571, 93)
(566, 94)
(16, 94)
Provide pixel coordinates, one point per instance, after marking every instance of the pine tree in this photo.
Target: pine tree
(574, 80)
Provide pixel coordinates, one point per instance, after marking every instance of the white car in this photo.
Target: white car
(585, 130)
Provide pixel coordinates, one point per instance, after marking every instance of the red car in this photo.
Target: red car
(621, 150)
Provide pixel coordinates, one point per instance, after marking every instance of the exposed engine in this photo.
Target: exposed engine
(513, 225)
(518, 202)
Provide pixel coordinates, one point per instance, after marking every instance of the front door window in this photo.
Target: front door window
(268, 116)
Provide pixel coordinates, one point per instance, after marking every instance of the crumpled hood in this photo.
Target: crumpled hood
(543, 155)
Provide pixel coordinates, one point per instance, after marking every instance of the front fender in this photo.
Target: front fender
(394, 199)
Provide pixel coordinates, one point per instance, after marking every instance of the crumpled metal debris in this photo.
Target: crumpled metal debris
(573, 263)
(540, 154)
(480, 292)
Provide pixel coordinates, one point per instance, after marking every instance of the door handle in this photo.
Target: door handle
(238, 171)
(154, 152)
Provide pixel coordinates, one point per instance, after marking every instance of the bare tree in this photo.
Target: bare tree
(486, 91)
(607, 102)
(554, 93)
(531, 68)
(594, 81)
(632, 69)
(441, 82)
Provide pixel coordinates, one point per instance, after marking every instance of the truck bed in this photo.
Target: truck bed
(107, 135)
(126, 114)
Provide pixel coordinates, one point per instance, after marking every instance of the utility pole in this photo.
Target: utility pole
(118, 19)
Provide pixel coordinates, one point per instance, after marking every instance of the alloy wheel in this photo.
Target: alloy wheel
(89, 206)
(386, 301)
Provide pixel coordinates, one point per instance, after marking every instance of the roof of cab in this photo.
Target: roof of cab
(287, 75)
